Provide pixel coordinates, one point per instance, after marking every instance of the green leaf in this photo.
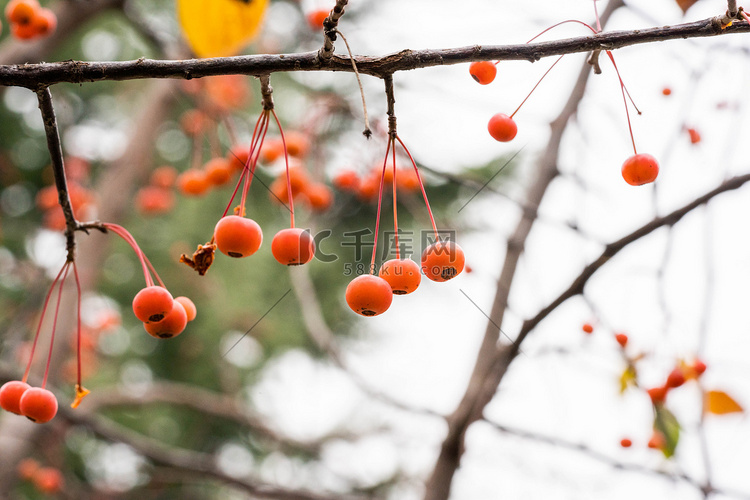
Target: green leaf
(666, 423)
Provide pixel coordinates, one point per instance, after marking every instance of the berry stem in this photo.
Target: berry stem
(598, 22)
(395, 205)
(248, 170)
(535, 86)
(41, 321)
(625, 101)
(145, 264)
(288, 178)
(66, 268)
(78, 323)
(421, 185)
(561, 23)
(380, 203)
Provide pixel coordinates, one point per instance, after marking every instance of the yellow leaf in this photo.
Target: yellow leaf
(218, 28)
(721, 403)
(628, 378)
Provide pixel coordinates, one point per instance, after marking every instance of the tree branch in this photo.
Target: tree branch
(44, 74)
(329, 29)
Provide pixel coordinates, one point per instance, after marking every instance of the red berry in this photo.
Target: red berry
(502, 127)
(218, 171)
(640, 169)
(44, 22)
(676, 378)
(626, 443)
(27, 468)
(10, 395)
(401, 274)
(38, 405)
(152, 303)
(621, 339)
(238, 236)
(193, 182)
(319, 196)
(658, 394)
(369, 295)
(164, 176)
(666, 91)
(171, 325)
(238, 156)
(293, 246)
(346, 180)
(189, 306)
(587, 328)
(152, 200)
(315, 18)
(699, 367)
(443, 260)
(483, 71)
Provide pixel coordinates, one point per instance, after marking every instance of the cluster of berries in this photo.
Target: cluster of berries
(637, 170)
(46, 479)
(366, 187)
(28, 20)
(371, 294)
(158, 196)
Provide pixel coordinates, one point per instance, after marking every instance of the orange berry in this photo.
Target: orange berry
(194, 122)
(319, 196)
(10, 395)
(171, 325)
(640, 169)
(218, 171)
(483, 72)
(238, 156)
(152, 303)
(502, 127)
(44, 22)
(21, 11)
(277, 191)
(407, 180)
(189, 306)
(626, 443)
(297, 143)
(193, 182)
(368, 188)
(443, 260)
(48, 480)
(695, 136)
(666, 91)
(46, 198)
(38, 405)
(164, 176)
(227, 92)
(658, 394)
(293, 246)
(403, 275)
(237, 236)
(369, 295)
(676, 378)
(272, 150)
(621, 339)
(23, 31)
(315, 18)
(346, 180)
(657, 441)
(587, 328)
(26, 468)
(297, 178)
(152, 200)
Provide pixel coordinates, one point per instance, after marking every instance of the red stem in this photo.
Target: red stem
(41, 320)
(565, 22)
(66, 267)
(625, 101)
(535, 86)
(421, 185)
(395, 205)
(288, 178)
(125, 235)
(380, 203)
(254, 144)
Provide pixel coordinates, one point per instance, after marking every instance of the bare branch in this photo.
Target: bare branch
(35, 75)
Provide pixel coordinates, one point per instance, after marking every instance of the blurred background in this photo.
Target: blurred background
(277, 389)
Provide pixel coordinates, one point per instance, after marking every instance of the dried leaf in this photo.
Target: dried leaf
(721, 403)
(685, 4)
(218, 28)
(666, 423)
